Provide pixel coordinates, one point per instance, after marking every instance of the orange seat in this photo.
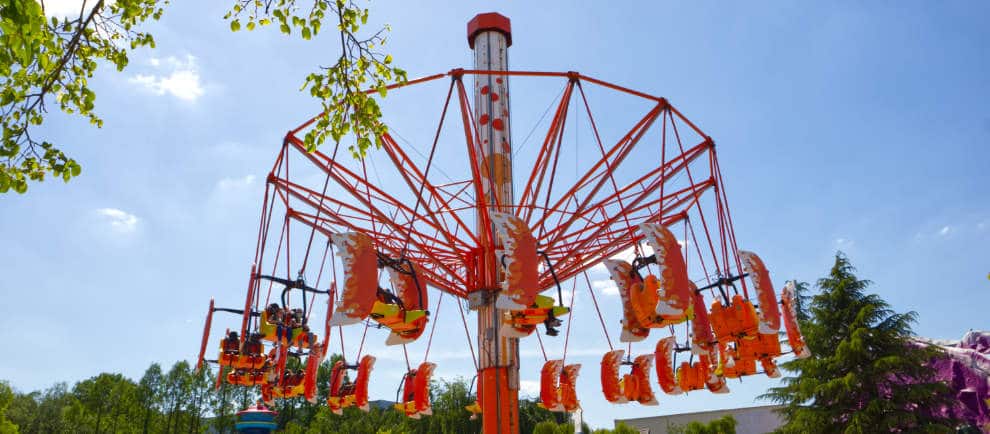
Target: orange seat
(761, 347)
(343, 394)
(634, 386)
(735, 321)
(415, 401)
(692, 376)
(732, 366)
(625, 278)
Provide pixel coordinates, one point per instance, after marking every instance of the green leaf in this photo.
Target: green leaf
(235, 25)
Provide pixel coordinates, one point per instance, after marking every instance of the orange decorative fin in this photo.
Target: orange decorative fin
(521, 261)
(360, 288)
(550, 386)
(675, 301)
(794, 338)
(624, 278)
(611, 385)
(568, 387)
(664, 355)
(641, 372)
(769, 313)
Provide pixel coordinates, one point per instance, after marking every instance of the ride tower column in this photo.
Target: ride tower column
(489, 35)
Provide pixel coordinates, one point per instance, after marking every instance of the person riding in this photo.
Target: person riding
(232, 343)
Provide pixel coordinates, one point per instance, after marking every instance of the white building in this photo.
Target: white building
(750, 420)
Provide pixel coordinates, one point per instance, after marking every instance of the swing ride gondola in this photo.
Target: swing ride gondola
(463, 231)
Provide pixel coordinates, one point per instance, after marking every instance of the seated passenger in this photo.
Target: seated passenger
(231, 344)
(274, 313)
(252, 346)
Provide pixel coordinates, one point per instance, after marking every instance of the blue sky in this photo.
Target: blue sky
(846, 126)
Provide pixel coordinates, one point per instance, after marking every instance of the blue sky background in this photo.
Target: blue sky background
(847, 126)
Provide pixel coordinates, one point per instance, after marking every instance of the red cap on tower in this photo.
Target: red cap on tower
(489, 21)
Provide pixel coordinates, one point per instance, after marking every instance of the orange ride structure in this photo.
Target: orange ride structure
(503, 229)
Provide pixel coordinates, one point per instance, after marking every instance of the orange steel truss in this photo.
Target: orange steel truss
(439, 218)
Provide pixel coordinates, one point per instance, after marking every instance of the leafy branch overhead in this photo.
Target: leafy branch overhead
(47, 61)
(341, 87)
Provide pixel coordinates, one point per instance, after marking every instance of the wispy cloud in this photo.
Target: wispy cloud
(844, 243)
(605, 286)
(173, 76)
(529, 387)
(945, 231)
(228, 184)
(120, 221)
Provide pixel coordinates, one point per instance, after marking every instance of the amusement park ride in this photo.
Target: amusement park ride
(475, 236)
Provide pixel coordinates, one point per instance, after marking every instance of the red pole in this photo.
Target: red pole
(490, 35)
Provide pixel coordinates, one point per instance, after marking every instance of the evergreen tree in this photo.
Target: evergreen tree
(865, 374)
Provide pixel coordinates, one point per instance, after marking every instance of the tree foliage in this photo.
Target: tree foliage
(182, 400)
(49, 60)
(865, 375)
(46, 60)
(6, 397)
(723, 425)
(361, 65)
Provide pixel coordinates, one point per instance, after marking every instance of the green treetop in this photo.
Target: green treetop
(865, 374)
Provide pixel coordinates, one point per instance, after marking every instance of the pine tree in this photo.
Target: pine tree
(865, 374)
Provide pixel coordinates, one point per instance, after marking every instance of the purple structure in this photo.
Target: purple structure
(966, 368)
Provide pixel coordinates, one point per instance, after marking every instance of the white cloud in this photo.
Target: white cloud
(605, 286)
(229, 184)
(120, 221)
(946, 230)
(844, 243)
(178, 77)
(529, 387)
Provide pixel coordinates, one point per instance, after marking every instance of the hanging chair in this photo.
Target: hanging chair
(788, 299)
(634, 386)
(550, 385)
(568, 387)
(733, 322)
(403, 313)
(769, 312)
(763, 346)
(664, 355)
(558, 386)
(692, 376)
(415, 400)
(345, 394)
(732, 367)
(475, 407)
(702, 337)
(520, 323)
(641, 368)
(520, 260)
(625, 277)
(673, 296)
(360, 288)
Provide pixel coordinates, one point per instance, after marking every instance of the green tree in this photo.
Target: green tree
(865, 375)
(341, 86)
(802, 295)
(48, 60)
(45, 60)
(6, 398)
(723, 425)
